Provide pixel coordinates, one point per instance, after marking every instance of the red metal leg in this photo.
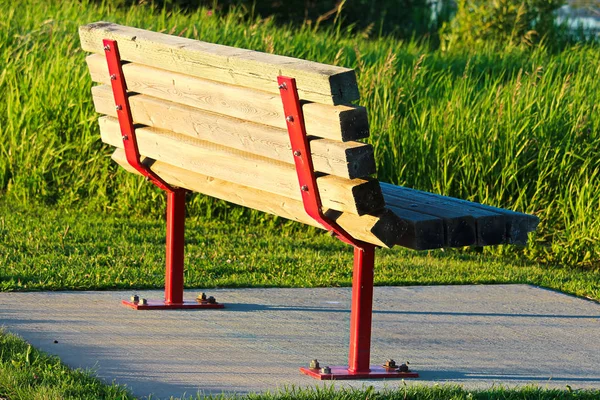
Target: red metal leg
(175, 245)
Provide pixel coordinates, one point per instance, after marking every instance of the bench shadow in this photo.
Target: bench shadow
(245, 307)
(430, 375)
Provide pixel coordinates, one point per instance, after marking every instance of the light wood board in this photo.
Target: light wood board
(316, 82)
(357, 196)
(347, 160)
(343, 123)
(380, 229)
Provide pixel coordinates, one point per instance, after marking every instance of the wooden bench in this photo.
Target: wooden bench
(276, 134)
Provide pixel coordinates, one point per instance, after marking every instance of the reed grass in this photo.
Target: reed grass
(516, 128)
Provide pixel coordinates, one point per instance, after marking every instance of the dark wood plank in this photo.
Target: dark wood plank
(419, 231)
(518, 225)
(490, 226)
(459, 228)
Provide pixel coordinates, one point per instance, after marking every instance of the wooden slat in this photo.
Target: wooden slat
(357, 196)
(517, 225)
(381, 229)
(317, 82)
(419, 231)
(342, 123)
(459, 229)
(490, 227)
(348, 160)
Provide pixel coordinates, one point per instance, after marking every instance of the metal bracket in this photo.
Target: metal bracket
(175, 196)
(364, 253)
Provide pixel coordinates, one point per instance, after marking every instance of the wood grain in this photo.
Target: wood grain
(348, 160)
(357, 196)
(317, 82)
(380, 229)
(341, 122)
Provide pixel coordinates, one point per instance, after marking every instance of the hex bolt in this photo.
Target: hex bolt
(403, 367)
(135, 298)
(113, 77)
(314, 364)
(289, 118)
(326, 370)
(304, 188)
(283, 86)
(390, 364)
(202, 297)
(119, 107)
(297, 153)
(107, 48)
(144, 302)
(211, 300)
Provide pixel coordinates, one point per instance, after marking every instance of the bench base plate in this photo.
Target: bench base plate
(342, 373)
(161, 305)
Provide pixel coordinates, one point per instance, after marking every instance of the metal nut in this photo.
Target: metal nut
(202, 297)
(314, 364)
(135, 298)
(403, 367)
(143, 302)
(326, 370)
(211, 300)
(390, 364)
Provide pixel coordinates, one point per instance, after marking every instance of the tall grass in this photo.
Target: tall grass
(514, 128)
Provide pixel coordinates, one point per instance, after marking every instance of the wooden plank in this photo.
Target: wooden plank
(419, 231)
(380, 229)
(518, 225)
(316, 82)
(459, 229)
(341, 122)
(348, 160)
(490, 227)
(357, 196)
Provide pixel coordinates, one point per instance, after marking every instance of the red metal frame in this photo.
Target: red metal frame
(364, 253)
(175, 196)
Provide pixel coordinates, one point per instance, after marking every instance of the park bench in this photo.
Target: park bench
(276, 134)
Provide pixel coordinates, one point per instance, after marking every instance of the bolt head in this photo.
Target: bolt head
(113, 77)
(202, 296)
(211, 300)
(289, 118)
(283, 86)
(403, 368)
(107, 48)
(304, 188)
(143, 302)
(314, 364)
(297, 153)
(390, 364)
(125, 137)
(135, 298)
(326, 370)
(119, 107)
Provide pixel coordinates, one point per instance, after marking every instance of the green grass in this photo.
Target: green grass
(43, 248)
(516, 128)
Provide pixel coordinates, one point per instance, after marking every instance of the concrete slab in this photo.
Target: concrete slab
(476, 336)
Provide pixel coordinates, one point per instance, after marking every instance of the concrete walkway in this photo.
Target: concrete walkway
(471, 335)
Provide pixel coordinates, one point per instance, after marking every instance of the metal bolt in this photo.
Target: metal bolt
(304, 188)
(119, 107)
(297, 153)
(283, 86)
(125, 137)
(113, 77)
(390, 364)
(211, 300)
(403, 367)
(144, 302)
(107, 48)
(135, 298)
(325, 370)
(289, 118)
(314, 364)
(202, 297)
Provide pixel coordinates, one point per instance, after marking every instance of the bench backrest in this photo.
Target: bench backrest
(212, 118)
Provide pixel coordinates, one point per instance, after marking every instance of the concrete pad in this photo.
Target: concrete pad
(476, 336)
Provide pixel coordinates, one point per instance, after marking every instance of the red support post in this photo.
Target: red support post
(175, 199)
(364, 256)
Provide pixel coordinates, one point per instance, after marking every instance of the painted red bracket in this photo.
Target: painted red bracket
(175, 197)
(364, 253)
